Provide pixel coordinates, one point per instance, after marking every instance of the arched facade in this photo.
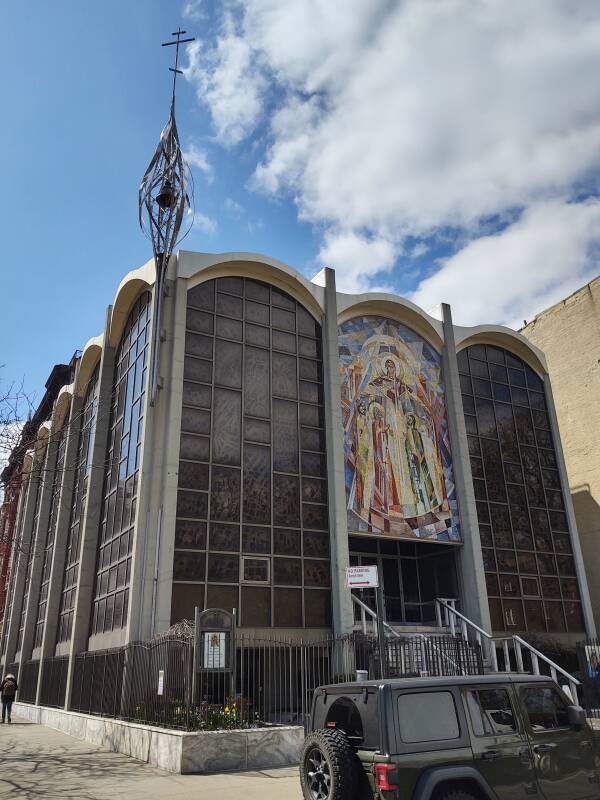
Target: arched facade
(252, 523)
(28, 546)
(115, 543)
(82, 475)
(399, 481)
(295, 431)
(526, 544)
(59, 434)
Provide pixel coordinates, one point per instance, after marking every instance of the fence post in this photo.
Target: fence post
(195, 656)
(381, 632)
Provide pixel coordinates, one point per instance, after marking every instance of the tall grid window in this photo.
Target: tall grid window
(528, 560)
(80, 488)
(49, 549)
(121, 480)
(39, 473)
(252, 522)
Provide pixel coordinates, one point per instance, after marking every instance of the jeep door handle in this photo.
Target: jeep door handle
(586, 744)
(543, 748)
(490, 755)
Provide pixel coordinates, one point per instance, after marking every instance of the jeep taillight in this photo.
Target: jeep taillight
(385, 775)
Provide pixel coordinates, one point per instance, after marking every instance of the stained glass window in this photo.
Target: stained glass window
(39, 477)
(252, 529)
(78, 497)
(520, 505)
(49, 548)
(122, 472)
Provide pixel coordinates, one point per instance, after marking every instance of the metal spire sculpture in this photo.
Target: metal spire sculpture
(165, 197)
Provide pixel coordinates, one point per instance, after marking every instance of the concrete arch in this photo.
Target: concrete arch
(396, 308)
(62, 406)
(41, 440)
(27, 466)
(201, 267)
(506, 339)
(128, 291)
(87, 363)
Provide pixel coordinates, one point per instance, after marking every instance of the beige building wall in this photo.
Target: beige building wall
(569, 335)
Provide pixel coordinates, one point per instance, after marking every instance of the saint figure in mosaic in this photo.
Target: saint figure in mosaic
(398, 464)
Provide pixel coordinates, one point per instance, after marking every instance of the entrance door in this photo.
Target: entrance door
(564, 757)
(389, 572)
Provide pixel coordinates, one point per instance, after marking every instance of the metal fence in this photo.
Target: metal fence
(271, 681)
(54, 681)
(588, 654)
(28, 682)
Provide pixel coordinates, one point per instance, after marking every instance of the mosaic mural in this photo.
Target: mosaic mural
(398, 464)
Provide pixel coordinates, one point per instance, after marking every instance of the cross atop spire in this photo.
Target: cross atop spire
(175, 70)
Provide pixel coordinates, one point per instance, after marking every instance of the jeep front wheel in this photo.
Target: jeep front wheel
(327, 766)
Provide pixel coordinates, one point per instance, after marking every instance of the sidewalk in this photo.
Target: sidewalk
(38, 763)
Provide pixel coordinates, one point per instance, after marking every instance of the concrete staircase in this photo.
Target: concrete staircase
(456, 646)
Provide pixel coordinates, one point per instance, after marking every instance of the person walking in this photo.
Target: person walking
(8, 690)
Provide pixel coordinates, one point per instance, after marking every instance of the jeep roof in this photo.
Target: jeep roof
(448, 680)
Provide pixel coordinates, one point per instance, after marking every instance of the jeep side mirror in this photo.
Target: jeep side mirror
(576, 717)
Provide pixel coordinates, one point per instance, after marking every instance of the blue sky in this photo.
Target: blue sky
(446, 151)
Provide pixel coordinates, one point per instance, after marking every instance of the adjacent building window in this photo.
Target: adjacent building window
(80, 487)
(252, 529)
(49, 548)
(121, 479)
(530, 570)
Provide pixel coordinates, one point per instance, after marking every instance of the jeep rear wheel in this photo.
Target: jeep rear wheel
(328, 767)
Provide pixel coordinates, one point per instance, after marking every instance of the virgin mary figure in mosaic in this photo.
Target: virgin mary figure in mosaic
(395, 432)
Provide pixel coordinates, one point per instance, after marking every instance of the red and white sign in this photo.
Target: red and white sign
(362, 577)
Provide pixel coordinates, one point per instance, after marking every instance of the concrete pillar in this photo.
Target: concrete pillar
(22, 544)
(12, 584)
(474, 599)
(343, 614)
(150, 609)
(61, 536)
(90, 514)
(586, 604)
(39, 544)
(148, 524)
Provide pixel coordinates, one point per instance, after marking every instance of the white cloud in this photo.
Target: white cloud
(197, 157)
(356, 259)
(193, 10)
(229, 82)
(388, 119)
(205, 223)
(510, 276)
(234, 208)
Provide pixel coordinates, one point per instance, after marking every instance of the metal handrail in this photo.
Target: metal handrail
(444, 604)
(518, 642)
(365, 609)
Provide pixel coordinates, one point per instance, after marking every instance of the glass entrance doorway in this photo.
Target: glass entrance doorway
(412, 576)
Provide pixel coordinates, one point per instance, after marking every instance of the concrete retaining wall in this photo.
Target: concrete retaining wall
(177, 751)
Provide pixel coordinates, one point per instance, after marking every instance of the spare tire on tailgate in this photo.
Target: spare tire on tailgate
(328, 766)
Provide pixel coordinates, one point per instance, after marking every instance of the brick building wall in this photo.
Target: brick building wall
(569, 335)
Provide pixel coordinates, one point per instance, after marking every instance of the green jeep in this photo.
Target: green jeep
(500, 737)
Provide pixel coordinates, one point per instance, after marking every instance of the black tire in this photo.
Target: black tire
(328, 766)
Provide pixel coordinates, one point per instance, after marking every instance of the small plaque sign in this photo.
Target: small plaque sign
(215, 650)
(362, 577)
(161, 681)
